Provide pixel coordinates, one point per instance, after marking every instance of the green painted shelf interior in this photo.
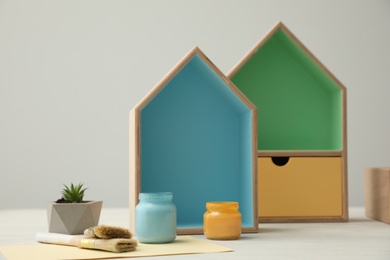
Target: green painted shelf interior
(299, 105)
(196, 142)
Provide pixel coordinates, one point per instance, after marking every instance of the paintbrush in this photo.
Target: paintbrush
(107, 232)
(117, 245)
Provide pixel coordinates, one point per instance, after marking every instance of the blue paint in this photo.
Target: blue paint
(155, 218)
(196, 142)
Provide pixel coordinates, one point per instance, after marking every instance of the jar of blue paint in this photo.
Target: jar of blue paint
(155, 218)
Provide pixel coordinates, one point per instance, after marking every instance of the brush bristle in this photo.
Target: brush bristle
(109, 232)
(117, 245)
(125, 245)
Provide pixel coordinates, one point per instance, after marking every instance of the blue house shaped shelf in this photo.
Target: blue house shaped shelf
(195, 135)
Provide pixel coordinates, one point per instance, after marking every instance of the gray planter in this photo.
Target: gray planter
(73, 218)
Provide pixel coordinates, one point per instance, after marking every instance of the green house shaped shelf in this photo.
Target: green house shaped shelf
(195, 135)
(302, 165)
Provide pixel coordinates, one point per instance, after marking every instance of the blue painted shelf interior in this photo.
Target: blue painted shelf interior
(196, 141)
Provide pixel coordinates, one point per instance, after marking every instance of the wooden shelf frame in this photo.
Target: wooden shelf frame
(317, 153)
(273, 135)
(195, 135)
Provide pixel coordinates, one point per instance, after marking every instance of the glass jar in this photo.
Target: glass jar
(222, 220)
(155, 218)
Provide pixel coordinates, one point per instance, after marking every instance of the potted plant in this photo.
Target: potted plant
(71, 214)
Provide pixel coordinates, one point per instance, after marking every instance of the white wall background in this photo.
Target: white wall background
(70, 71)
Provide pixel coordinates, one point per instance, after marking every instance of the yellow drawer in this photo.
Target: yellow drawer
(303, 187)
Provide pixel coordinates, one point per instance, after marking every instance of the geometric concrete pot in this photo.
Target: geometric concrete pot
(73, 218)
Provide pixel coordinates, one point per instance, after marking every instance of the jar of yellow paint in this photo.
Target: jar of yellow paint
(222, 220)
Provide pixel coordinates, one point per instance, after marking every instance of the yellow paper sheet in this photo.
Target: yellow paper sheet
(182, 245)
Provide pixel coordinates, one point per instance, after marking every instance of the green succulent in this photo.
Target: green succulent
(73, 194)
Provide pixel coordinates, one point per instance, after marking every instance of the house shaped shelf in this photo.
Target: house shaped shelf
(301, 113)
(195, 135)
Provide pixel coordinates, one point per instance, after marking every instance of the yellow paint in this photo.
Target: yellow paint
(304, 187)
(222, 220)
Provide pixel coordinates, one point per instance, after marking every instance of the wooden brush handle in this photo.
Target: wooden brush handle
(59, 239)
(112, 245)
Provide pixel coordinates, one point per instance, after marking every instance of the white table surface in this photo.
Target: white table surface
(360, 238)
